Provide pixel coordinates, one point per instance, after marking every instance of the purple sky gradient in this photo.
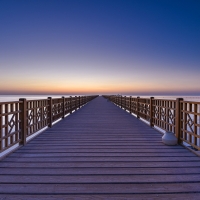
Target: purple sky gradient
(100, 46)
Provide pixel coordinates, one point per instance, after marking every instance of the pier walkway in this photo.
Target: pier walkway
(100, 152)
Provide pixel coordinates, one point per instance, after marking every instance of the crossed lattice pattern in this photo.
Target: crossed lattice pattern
(57, 108)
(164, 114)
(171, 116)
(74, 102)
(190, 123)
(118, 100)
(144, 108)
(37, 115)
(9, 124)
(134, 105)
(127, 103)
(67, 106)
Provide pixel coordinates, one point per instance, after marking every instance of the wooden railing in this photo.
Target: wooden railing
(177, 116)
(23, 118)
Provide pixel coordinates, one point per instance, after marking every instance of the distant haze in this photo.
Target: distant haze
(138, 47)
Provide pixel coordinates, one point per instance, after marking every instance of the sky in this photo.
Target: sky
(137, 47)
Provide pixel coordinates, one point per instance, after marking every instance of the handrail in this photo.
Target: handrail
(177, 116)
(23, 118)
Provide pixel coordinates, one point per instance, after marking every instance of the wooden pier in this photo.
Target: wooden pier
(100, 152)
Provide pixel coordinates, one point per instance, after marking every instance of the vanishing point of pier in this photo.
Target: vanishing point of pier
(98, 152)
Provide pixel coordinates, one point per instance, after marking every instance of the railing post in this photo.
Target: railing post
(138, 107)
(50, 112)
(124, 102)
(151, 112)
(70, 104)
(130, 104)
(76, 103)
(79, 101)
(63, 98)
(178, 118)
(23, 119)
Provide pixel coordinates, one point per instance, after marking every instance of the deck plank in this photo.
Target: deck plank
(61, 169)
(100, 152)
(99, 188)
(174, 196)
(102, 178)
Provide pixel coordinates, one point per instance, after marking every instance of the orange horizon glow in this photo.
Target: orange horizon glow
(96, 89)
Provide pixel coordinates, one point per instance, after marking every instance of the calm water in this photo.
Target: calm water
(5, 98)
(186, 98)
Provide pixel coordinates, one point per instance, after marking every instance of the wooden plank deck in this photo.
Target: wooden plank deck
(100, 152)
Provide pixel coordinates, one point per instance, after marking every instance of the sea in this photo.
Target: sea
(6, 98)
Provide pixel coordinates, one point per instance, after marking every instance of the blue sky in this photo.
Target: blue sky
(100, 46)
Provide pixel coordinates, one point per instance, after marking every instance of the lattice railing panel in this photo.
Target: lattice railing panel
(134, 106)
(127, 103)
(190, 123)
(37, 115)
(82, 100)
(57, 108)
(123, 102)
(164, 114)
(9, 124)
(116, 100)
(67, 105)
(144, 108)
(74, 103)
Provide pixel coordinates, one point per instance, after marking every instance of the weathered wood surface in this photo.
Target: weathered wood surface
(100, 152)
